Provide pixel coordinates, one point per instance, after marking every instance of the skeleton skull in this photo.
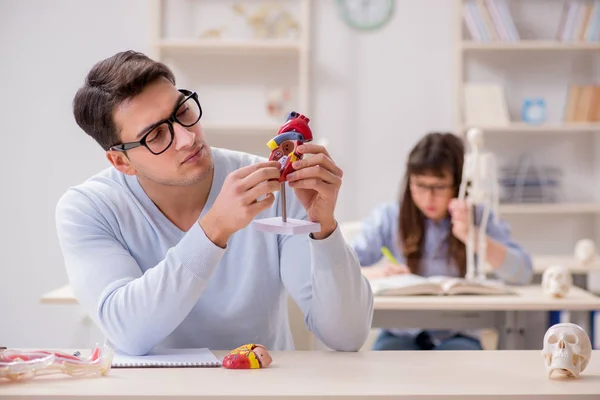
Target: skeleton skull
(557, 281)
(585, 251)
(567, 349)
(475, 137)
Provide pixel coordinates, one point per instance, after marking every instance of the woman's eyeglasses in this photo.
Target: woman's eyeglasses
(436, 190)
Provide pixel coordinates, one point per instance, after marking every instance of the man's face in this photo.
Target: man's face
(187, 160)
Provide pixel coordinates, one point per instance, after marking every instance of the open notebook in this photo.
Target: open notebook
(409, 284)
(174, 358)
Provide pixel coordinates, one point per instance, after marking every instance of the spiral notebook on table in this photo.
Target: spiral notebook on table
(168, 358)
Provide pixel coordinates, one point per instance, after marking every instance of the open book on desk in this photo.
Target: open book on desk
(168, 358)
(412, 285)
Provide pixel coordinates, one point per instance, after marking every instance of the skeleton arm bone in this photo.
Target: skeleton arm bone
(495, 187)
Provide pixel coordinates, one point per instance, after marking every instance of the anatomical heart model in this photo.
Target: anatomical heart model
(248, 356)
(567, 350)
(284, 148)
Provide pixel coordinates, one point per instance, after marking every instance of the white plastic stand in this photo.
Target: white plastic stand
(283, 225)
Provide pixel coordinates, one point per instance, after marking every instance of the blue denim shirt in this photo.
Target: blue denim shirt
(380, 228)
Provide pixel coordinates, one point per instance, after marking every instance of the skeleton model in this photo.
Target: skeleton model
(479, 173)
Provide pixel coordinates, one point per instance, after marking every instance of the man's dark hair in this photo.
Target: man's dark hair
(108, 84)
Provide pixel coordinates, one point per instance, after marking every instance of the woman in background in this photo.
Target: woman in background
(426, 232)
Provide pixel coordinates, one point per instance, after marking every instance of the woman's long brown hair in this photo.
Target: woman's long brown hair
(436, 154)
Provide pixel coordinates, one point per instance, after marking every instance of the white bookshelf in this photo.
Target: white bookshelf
(242, 128)
(550, 208)
(512, 64)
(229, 46)
(528, 45)
(520, 127)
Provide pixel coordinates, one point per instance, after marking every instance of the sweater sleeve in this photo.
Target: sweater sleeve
(106, 280)
(517, 267)
(377, 230)
(324, 279)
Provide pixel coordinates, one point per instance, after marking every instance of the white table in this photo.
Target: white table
(506, 313)
(425, 375)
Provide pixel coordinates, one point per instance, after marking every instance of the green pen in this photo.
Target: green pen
(388, 254)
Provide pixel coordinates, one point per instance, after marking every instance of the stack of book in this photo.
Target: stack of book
(583, 104)
(580, 21)
(489, 21)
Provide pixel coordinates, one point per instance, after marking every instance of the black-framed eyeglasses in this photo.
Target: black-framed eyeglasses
(159, 137)
(436, 190)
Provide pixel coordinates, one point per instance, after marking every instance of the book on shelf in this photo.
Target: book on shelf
(415, 285)
(485, 105)
(489, 21)
(583, 104)
(579, 21)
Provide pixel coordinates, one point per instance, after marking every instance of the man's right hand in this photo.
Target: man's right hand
(237, 203)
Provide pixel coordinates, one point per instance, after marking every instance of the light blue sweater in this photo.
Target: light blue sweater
(380, 228)
(148, 284)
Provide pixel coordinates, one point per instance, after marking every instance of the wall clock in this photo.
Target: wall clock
(366, 15)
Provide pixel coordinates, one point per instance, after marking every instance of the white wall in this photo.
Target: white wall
(47, 47)
(374, 95)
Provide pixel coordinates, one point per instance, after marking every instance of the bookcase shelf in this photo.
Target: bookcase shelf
(504, 64)
(229, 45)
(528, 45)
(521, 127)
(550, 208)
(182, 30)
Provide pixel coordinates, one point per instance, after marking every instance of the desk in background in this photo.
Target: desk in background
(505, 313)
(62, 295)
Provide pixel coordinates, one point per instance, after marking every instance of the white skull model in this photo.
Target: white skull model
(585, 251)
(557, 281)
(567, 349)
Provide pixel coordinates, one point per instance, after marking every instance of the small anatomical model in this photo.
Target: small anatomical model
(21, 365)
(557, 281)
(585, 251)
(248, 356)
(567, 350)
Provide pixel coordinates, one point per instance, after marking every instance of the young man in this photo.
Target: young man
(158, 247)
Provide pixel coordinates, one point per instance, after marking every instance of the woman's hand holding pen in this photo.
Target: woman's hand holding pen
(395, 269)
(384, 271)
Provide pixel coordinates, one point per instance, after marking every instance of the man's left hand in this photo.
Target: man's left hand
(316, 182)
